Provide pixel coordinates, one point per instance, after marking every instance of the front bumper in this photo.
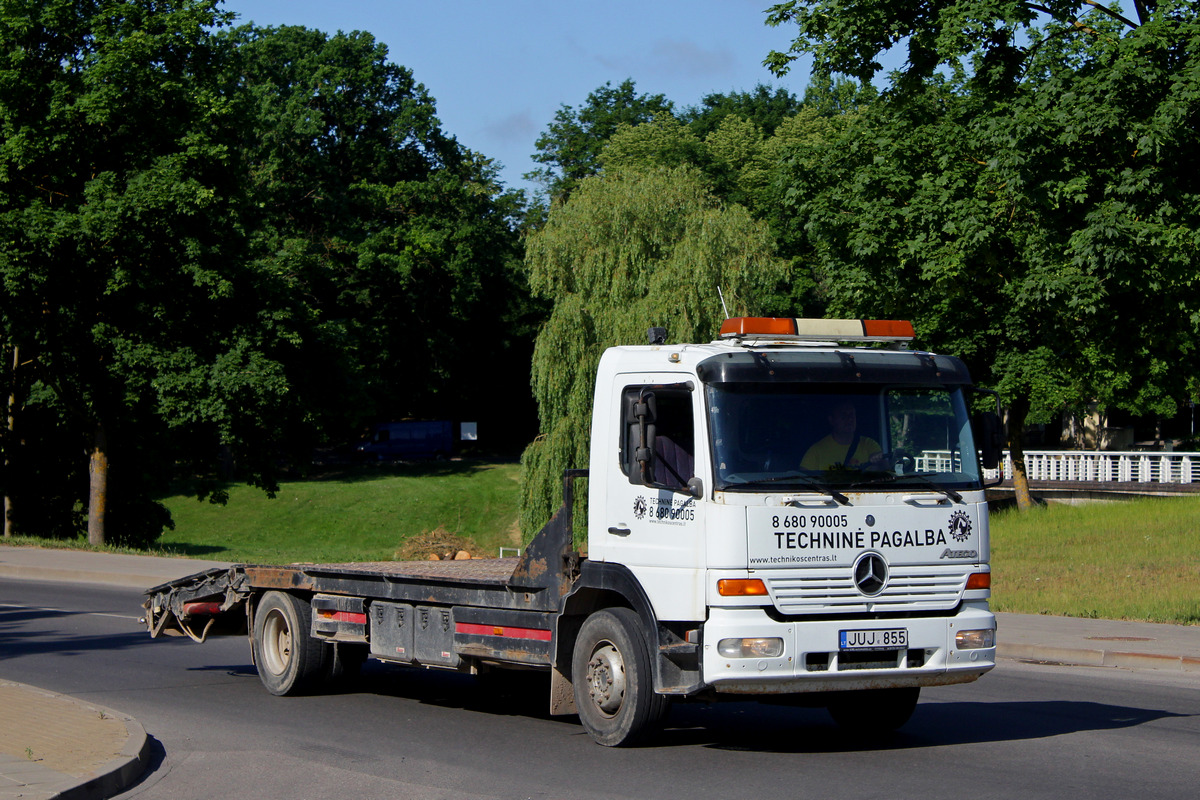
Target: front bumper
(811, 660)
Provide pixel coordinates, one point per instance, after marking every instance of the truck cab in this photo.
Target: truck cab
(802, 501)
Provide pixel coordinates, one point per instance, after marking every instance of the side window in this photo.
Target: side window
(657, 436)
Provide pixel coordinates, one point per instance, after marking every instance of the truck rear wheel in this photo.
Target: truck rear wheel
(612, 679)
(873, 712)
(289, 660)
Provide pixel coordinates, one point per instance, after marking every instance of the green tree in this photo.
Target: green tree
(733, 156)
(395, 249)
(741, 166)
(1033, 206)
(664, 141)
(118, 290)
(765, 108)
(217, 245)
(570, 147)
(629, 250)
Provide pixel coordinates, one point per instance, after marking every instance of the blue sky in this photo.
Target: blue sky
(500, 70)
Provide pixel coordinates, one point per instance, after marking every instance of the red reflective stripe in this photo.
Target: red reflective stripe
(506, 631)
(343, 616)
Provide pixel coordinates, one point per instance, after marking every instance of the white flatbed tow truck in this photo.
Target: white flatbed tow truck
(743, 539)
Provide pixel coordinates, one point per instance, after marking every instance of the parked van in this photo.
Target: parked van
(412, 439)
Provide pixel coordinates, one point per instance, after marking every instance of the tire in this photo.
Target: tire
(289, 660)
(612, 679)
(873, 712)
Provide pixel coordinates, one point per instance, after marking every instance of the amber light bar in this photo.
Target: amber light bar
(832, 330)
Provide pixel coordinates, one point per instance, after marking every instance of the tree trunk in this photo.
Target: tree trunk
(1018, 412)
(10, 443)
(98, 491)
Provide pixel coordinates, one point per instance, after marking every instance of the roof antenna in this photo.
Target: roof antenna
(723, 306)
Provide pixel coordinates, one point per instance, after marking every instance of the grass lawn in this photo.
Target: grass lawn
(356, 514)
(1138, 559)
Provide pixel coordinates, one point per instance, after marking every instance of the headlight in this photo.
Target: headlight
(750, 648)
(975, 640)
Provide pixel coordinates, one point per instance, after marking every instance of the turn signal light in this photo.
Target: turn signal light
(979, 580)
(742, 587)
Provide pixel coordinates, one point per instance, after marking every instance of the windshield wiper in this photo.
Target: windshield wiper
(808, 483)
(922, 477)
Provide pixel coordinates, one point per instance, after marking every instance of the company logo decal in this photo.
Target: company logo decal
(870, 574)
(639, 507)
(948, 553)
(960, 526)
(664, 510)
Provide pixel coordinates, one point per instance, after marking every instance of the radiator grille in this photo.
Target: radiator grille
(832, 590)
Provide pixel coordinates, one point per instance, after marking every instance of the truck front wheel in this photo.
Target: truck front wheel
(612, 679)
(289, 660)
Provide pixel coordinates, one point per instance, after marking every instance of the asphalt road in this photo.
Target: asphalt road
(1023, 731)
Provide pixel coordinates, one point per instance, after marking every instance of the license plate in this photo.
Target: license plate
(874, 639)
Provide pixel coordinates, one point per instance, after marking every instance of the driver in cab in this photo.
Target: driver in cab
(843, 449)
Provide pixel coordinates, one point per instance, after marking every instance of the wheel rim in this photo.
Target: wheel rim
(606, 678)
(277, 642)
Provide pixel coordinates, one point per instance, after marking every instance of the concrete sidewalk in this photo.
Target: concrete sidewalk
(1099, 642)
(55, 746)
(82, 566)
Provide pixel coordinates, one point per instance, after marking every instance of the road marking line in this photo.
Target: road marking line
(66, 611)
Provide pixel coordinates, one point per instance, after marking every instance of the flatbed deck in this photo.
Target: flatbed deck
(482, 570)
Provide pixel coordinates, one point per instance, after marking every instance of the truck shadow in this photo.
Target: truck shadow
(506, 692)
(764, 728)
(761, 727)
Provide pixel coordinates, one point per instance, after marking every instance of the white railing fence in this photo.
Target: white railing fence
(1107, 466)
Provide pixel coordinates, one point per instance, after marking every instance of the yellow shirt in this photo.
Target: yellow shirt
(829, 455)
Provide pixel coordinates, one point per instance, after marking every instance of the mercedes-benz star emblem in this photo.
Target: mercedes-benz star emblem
(870, 574)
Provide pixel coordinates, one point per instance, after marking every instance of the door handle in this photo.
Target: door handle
(619, 530)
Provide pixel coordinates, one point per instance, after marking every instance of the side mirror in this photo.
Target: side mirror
(641, 410)
(991, 439)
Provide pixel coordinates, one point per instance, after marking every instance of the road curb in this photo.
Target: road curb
(115, 776)
(1097, 657)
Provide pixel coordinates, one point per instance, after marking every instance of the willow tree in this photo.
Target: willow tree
(630, 250)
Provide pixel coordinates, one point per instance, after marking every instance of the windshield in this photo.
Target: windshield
(823, 437)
